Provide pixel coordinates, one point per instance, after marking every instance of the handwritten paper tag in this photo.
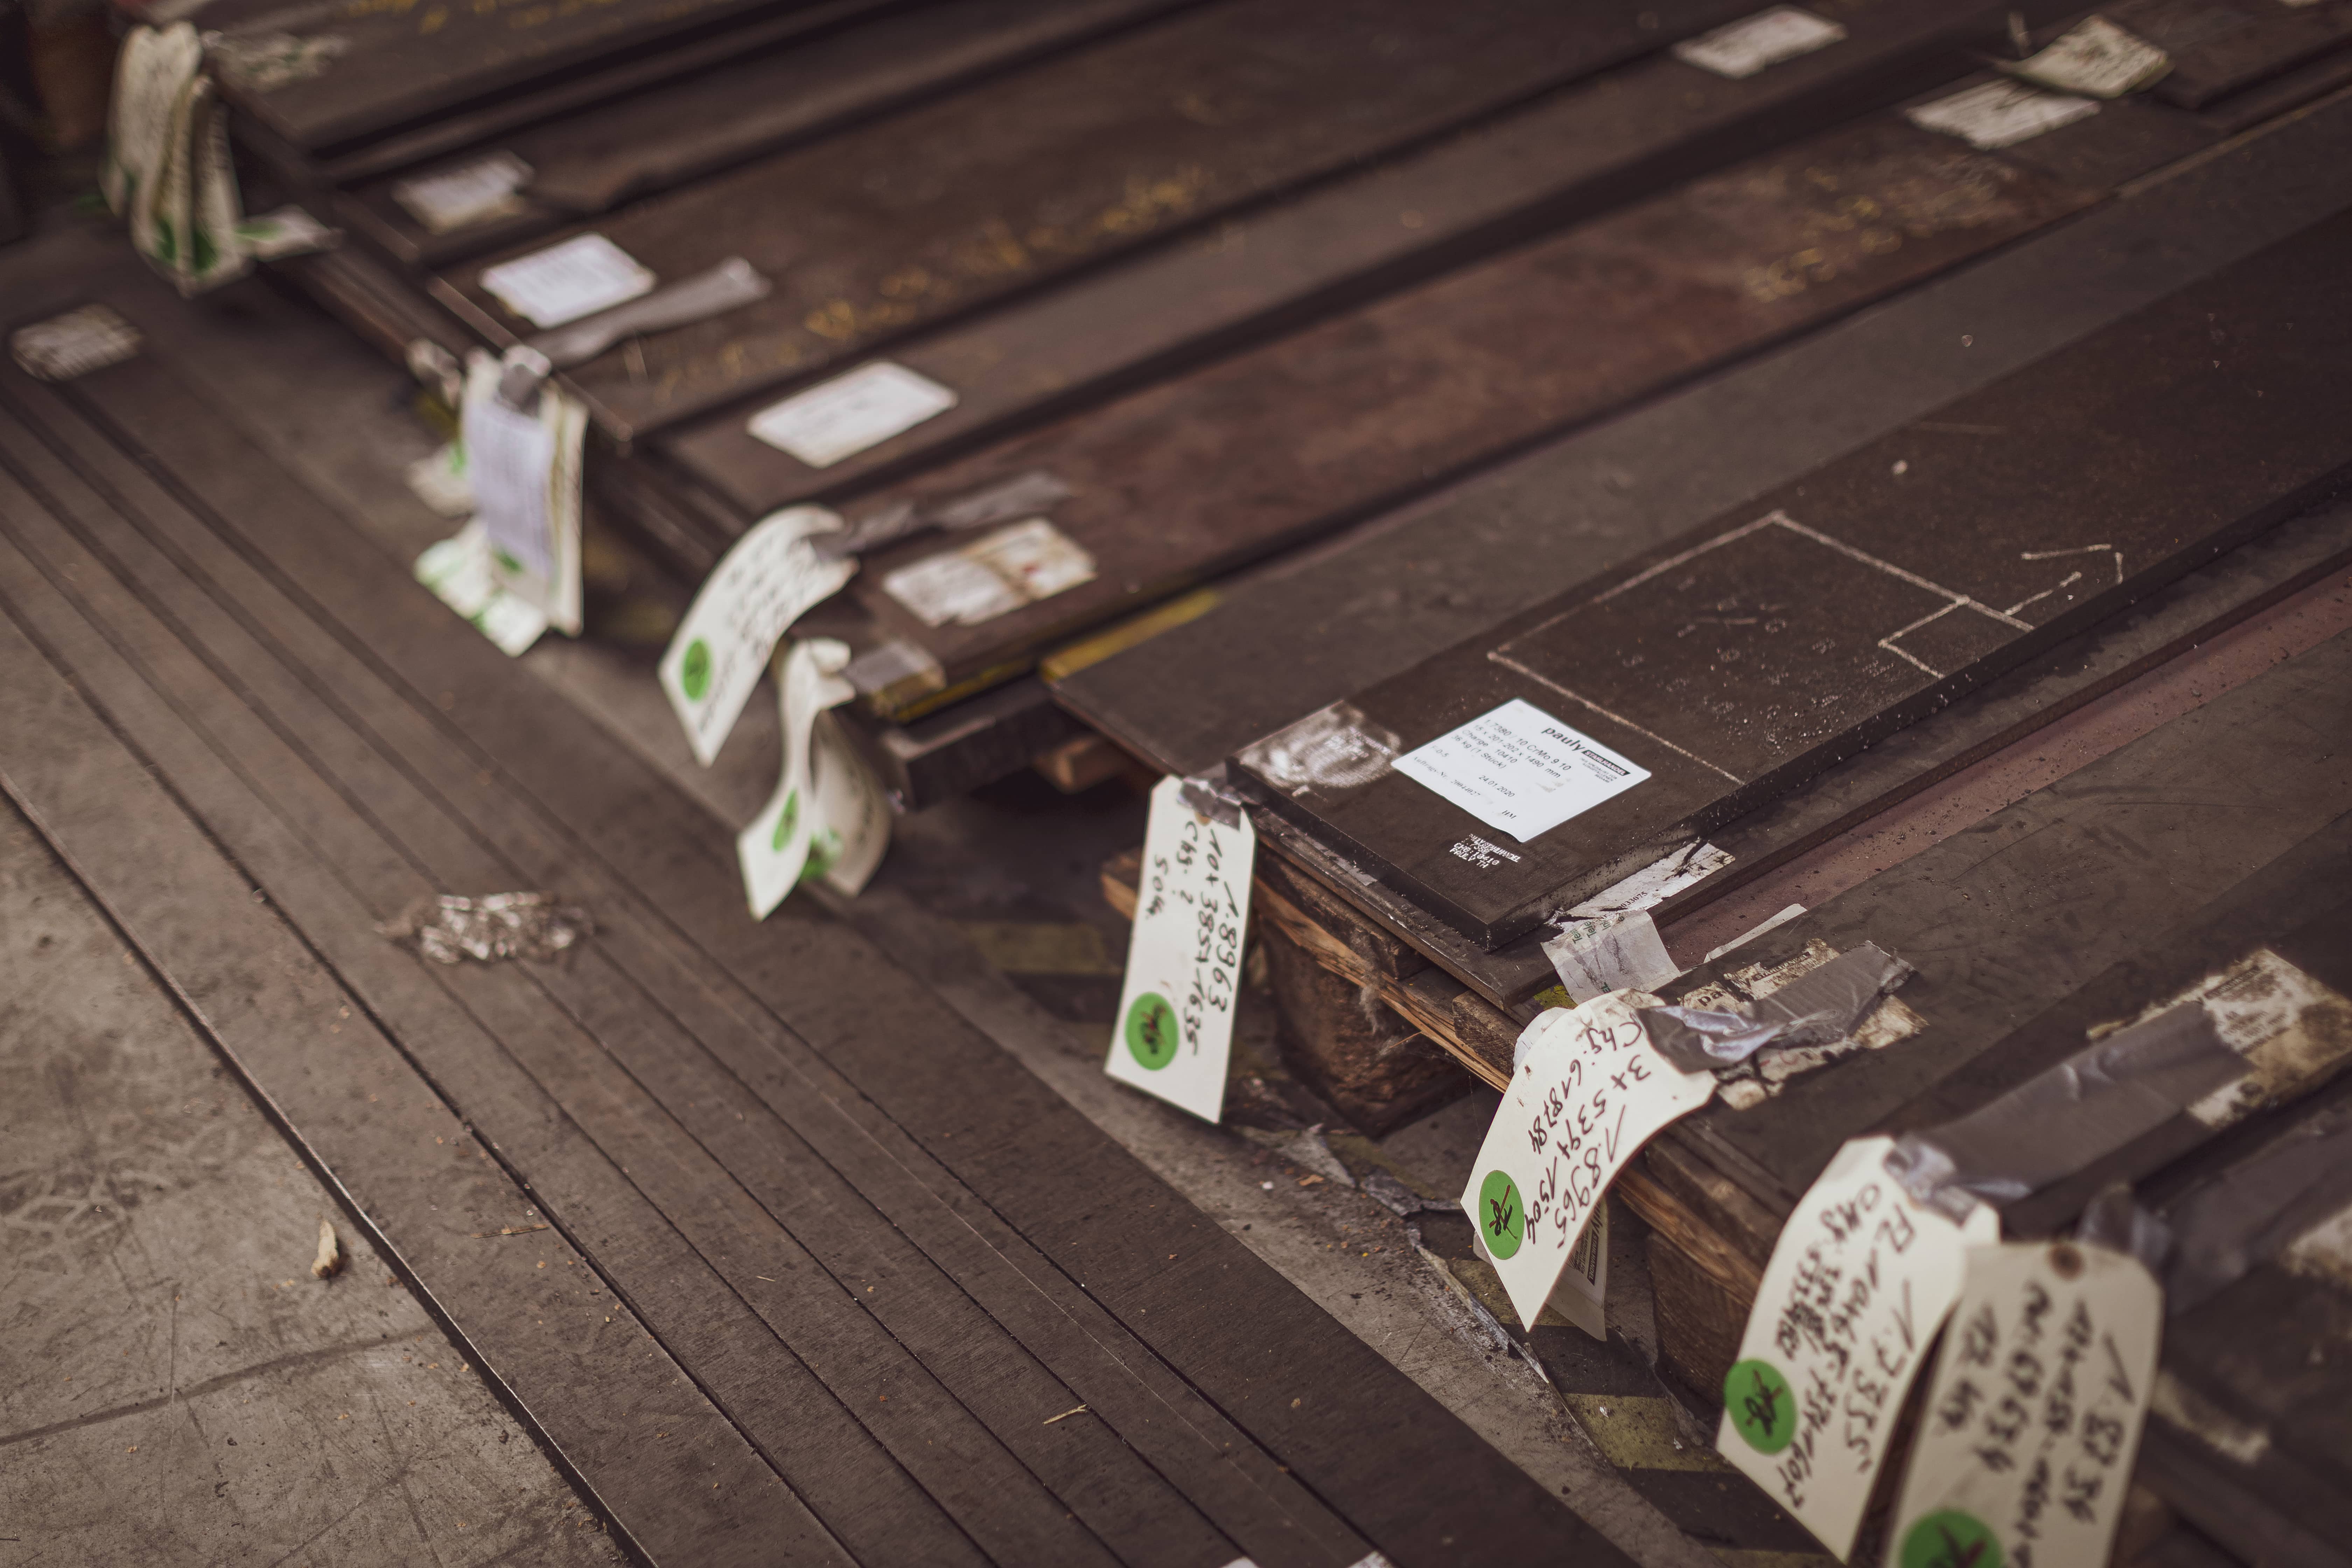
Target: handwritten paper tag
(1589, 1092)
(763, 584)
(1519, 769)
(585, 274)
(459, 573)
(1742, 49)
(1859, 1282)
(1184, 958)
(842, 417)
(2026, 1443)
(828, 817)
(523, 467)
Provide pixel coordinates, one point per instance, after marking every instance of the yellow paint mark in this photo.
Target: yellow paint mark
(1063, 663)
(1638, 1432)
(1038, 947)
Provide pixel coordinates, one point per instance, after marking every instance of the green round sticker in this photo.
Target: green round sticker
(787, 819)
(1762, 1406)
(1502, 1217)
(1152, 1031)
(693, 670)
(1950, 1539)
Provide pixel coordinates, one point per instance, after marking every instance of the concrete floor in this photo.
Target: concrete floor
(175, 1387)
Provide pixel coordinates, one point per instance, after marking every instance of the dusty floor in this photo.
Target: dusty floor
(175, 1385)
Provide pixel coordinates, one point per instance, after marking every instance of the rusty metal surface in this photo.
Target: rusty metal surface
(384, 63)
(1739, 660)
(1002, 187)
(1611, 139)
(2220, 47)
(617, 149)
(1247, 456)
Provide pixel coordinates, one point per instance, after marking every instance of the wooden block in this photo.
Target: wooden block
(1347, 1044)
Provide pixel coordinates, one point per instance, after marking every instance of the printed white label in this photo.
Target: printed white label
(1615, 952)
(1999, 114)
(585, 274)
(1520, 770)
(763, 584)
(2096, 58)
(1184, 957)
(1859, 1282)
(458, 572)
(827, 818)
(523, 469)
(467, 194)
(991, 575)
(2026, 1442)
(1589, 1091)
(1746, 46)
(843, 417)
(75, 343)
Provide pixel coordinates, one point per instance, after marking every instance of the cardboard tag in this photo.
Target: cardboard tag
(1589, 1091)
(523, 469)
(992, 575)
(471, 192)
(1614, 952)
(585, 274)
(458, 572)
(827, 817)
(1741, 49)
(1999, 114)
(1520, 770)
(1862, 1277)
(2026, 1443)
(762, 586)
(1184, 957)
(2097, 60)
(842, 417)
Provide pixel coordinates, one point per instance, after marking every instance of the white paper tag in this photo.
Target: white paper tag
(2026, 1442)
(585, 274)
(523, 469)
(469, 194)
(2095, 59)
(1520, 770)
(288, 231)
(1184, 957)
(842, 417)
(75, 343)
(1615, 952)
(827, 817)
(762, 586)
(1743, 47)
(1859, 1282)
(1999, 114)
(991, 575)
(1589, 1091)
(439, 480)
(458, 572)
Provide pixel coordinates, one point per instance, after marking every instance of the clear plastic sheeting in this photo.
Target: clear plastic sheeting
(1821, 1006)
(450, 930)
